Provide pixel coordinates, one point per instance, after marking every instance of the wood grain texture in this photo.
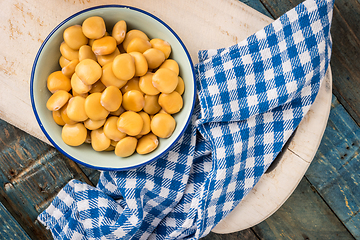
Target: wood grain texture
(247, 234)
(9, 227)
(31, 174)
(303, 216)
(335, 170)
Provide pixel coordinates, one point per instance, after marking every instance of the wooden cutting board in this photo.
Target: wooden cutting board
(201, 24)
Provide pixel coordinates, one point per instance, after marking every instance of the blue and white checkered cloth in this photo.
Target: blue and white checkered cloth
(252, 96)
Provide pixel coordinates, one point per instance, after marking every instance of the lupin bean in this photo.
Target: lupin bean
(119, 31)
(126, 147)
(94, 27)
(171, 103)
(74, 37)
(162, 46)
(104, 46)
(74, 134)
(165, 80)
(99, 141)
(111, 98)
(124, 66)
(89, 71)
(124, 88)
(147, 144)
(58, 81)
(163, 125)
(130, 123)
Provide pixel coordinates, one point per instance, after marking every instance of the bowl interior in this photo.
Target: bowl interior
(47, 61)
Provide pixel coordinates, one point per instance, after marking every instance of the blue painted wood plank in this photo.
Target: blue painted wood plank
(335, 169)
(257, 5)
(247, 234)
(31, 174)
(303, 216)
(9, 227)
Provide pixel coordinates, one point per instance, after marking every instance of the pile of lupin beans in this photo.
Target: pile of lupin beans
(116, 91)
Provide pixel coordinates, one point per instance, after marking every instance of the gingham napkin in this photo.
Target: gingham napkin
(252, 96)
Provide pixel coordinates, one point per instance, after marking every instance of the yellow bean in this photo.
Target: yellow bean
(104, 46)
(97, 87)
(93, 107)
(89, 71)
(94, 124)
(74, 37)
(111, 130)
(126, 147)
(146, 85)
(58, 81)
(138, 45)
(109, 79)
(74, 93)
(94, 27)
(113, 143)
(132, 84)
(99, 141)
(151, 104)
(74, 134)
(64, 116)
(57, 118)
(154, 57)
(118, 112)
(69, 69)
(171, 103)
(111, 98)
(105, 59)
(146, 120)
(147, 144)
(130, 35)
(57, 100)
(79, 86)
(133, 100)
(110, 148)
(91, 41)
(141, 65)
(180, 88)
(162, 111)
(130, 123)
(76, 109)
(88, 137)
(172, 65)
(162, 46)
(163, 125)
(85, 52)
(124, 66)
(119, 31)
(138, 136)
(68, 52)
(165, 80)
(121, 48)
(63, 61)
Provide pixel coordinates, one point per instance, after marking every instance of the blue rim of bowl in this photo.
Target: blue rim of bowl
(43, 128)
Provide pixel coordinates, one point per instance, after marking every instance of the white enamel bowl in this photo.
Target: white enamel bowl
(46, 61)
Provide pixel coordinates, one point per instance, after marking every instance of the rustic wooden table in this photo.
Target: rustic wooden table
(325, 205)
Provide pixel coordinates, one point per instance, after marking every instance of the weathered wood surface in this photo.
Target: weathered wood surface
(31, 172)
(335, 171)
(9, 227)
(306, 216)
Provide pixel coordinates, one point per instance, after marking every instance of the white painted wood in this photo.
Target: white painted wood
(201, 24)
